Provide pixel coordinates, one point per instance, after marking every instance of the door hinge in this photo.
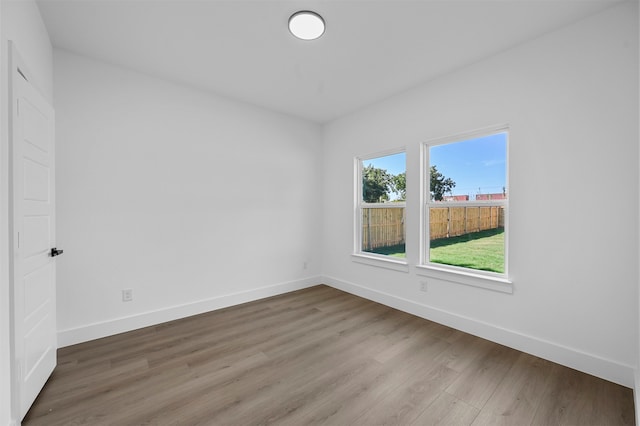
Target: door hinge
(18, 239)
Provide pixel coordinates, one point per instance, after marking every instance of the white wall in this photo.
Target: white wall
(21, 22)
(191, 200)
(571, 99)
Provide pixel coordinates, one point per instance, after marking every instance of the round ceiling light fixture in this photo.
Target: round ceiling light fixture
(306, 25)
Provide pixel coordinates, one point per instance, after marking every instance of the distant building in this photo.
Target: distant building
(498, 196)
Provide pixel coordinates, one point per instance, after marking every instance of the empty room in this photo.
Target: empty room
(337, 212)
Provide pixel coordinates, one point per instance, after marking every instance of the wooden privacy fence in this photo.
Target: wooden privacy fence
(384, 227)
(453, 221)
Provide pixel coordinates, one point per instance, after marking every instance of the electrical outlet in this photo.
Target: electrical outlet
(423, 286)
(127, 295)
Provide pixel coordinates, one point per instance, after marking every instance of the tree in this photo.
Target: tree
(439, 184)
(400, 185)
(376, 184)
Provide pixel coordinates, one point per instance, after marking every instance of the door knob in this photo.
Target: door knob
(55, 252)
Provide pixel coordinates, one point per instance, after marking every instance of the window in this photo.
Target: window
(380, 206)
(465, 204)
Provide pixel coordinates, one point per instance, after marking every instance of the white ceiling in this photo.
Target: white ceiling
(242, 49)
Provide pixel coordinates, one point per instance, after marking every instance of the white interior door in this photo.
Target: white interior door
(33, 223)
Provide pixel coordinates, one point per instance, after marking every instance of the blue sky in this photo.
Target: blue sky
(476, 165)
(394, 164)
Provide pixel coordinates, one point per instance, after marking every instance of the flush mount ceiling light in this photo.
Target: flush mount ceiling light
(306, 25)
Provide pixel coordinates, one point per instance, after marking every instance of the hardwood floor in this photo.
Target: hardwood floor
(316, 356)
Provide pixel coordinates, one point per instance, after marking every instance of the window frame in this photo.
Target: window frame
(474, 277)
(358, 255)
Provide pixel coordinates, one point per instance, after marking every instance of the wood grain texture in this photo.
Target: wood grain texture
(316, 356)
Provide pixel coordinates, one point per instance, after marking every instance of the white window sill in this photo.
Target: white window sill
(466, 278)
(381, 262)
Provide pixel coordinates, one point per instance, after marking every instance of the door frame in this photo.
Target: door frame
(15, 62)
(7, 410)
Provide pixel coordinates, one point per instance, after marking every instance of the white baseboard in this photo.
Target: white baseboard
(120, 325)
(573, 358)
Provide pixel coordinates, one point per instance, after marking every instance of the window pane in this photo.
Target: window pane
(383, 231)
(470, 170)
(383, 181)
(472, 174)
(384, 178)
(469, 237)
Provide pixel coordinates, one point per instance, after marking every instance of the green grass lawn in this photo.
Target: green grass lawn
(482, 250)
(394, 251)
(479, 250)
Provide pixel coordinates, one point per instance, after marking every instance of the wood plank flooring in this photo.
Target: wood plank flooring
(316, 356)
